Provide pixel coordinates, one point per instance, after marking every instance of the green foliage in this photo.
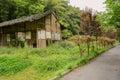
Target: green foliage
(89, 24)
(67, 44)
(118, 34)
(19, 8)
(68, 16)
(11, 65)
(66, 33)
(111, 17)
(113, 8)
(5, 50)
(54, 64)
(89, 42)
(46, 62)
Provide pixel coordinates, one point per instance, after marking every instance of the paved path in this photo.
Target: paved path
(104, 67)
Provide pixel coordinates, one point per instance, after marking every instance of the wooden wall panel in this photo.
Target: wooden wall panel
(47, 23)
(0, 30)
(4, 39)
(0, 36)
(53, 28)
(53, 23)
(21, 29)
(30, 42)
(29, 26)
(9, 29)
(14, 28)
(41, 23)
(0, 39)
(58, 28)
(48, 29)
(41, 43)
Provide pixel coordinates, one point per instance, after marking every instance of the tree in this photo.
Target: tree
(111, 17)
(68, 16)
(12, 9)
(89, 24)
(113, 10)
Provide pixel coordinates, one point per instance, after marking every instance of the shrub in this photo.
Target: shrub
(11, 65)
(41, 52)
(48, 65)
(7, 50)
(67, 44)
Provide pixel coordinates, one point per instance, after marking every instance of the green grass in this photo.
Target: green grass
(43, 63)
(11, 65)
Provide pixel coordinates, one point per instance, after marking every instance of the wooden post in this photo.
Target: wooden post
(37, 37)
(2, 37)
(51, 27)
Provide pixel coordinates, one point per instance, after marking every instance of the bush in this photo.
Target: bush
(67, 44)
(49, 61)
(7, 50)
(11, 65)
(51, 64)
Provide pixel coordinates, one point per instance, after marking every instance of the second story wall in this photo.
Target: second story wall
(52, 25)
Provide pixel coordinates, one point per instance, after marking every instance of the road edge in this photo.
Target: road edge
(77, 66)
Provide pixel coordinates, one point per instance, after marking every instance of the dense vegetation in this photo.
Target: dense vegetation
(68, 16)
(45, 63)
(12, 64)
(73, 20)
(111, 17)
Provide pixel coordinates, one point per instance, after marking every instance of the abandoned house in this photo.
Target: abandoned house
(37, 30)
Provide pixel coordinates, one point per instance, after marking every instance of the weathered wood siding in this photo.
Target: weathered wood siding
(0, 36)
(41, 43)
(48, 28)
(41, 38)
(51, 27)
(41, 35)
(32, 28)
(35, 33)
(32, 40)
(56, 31)
(4, 39)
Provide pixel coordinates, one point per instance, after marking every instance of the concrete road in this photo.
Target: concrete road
(104, 67)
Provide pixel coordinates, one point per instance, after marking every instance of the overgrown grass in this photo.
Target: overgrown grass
(43, 63)
(11, 65)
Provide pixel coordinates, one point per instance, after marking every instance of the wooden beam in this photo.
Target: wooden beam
(2, 37)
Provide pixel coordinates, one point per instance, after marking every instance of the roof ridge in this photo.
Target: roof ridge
(25, 19)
